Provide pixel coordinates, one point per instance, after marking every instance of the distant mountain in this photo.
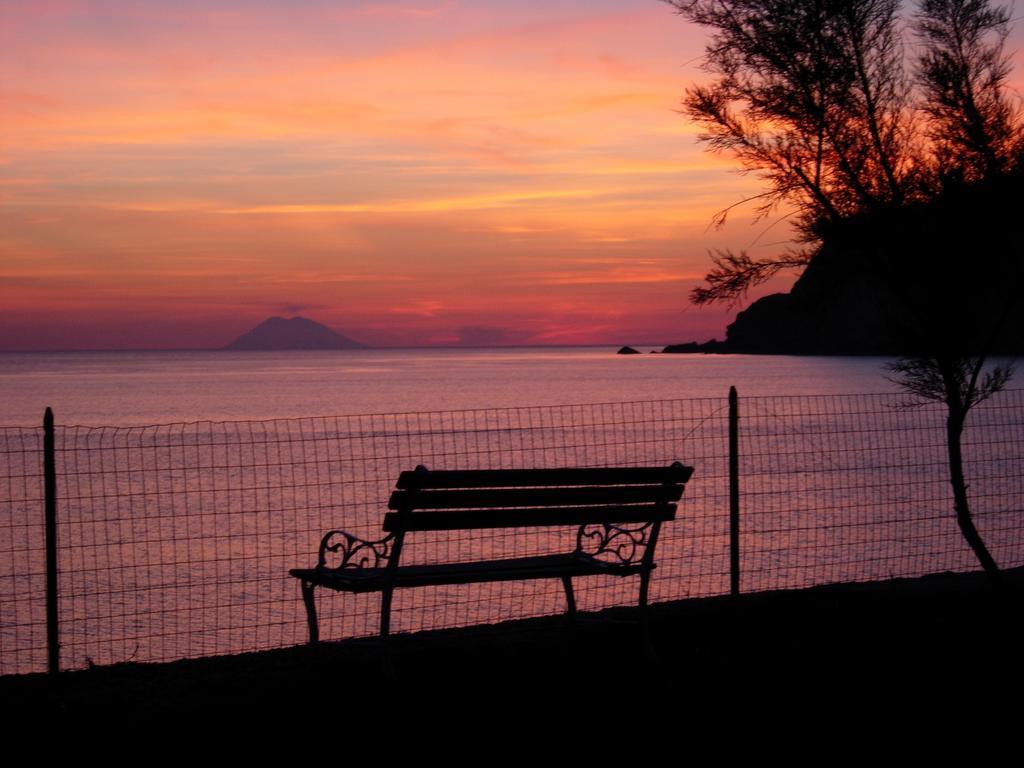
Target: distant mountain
(278, 333)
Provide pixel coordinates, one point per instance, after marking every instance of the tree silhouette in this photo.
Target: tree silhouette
(812, 96)
(974, 129)
(884, 160)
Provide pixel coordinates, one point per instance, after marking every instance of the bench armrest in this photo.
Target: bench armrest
(352, 551)
(627, 544)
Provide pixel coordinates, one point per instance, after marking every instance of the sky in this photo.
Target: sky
(408, 172)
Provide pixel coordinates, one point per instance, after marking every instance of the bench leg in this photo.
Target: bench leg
(570, 598)
(645, 623)
(307, 598)
(385, 631)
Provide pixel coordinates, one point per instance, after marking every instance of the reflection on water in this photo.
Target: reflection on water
(160, 387)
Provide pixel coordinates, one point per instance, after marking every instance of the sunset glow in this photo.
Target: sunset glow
(408, 172)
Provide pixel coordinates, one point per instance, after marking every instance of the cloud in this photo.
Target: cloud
(294, 309)
(419, 308)
(489, 336)
(402, 9)
(613, 277)
(476, 202)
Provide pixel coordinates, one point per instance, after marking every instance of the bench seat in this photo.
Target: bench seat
(510, 569)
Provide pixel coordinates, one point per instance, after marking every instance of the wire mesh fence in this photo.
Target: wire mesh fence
(175, 540)
(22, 542)
(854, 488)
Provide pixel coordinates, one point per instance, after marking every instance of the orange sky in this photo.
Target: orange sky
(408, 172)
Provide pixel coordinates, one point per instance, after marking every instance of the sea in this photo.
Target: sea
(189, 483)
(136, 388)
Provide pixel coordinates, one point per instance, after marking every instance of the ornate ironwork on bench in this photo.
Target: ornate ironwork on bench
(618, 511)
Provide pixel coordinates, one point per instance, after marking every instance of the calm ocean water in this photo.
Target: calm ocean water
(121, 388)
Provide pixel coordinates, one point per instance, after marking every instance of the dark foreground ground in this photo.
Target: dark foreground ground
(944, 637)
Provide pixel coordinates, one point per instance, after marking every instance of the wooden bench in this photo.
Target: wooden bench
(618, 513)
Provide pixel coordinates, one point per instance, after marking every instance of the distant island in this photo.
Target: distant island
(278, 333)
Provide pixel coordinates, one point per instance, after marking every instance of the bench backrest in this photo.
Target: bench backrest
(440, 500)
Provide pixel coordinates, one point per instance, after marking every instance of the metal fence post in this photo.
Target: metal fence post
(50, 497)
(734, 493)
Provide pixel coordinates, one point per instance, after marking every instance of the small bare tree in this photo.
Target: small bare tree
(960, 383)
